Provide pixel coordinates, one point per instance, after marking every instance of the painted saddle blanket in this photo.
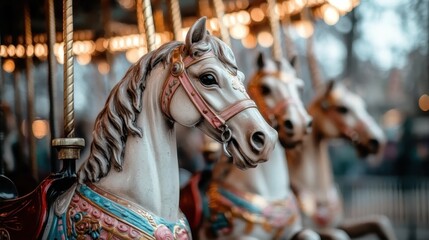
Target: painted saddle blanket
(96, 214)
(226, 203)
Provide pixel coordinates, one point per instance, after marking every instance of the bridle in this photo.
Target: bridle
(348, 131)
(178, 76)
(269, 113)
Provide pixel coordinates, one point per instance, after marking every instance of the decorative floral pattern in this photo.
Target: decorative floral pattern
(180, 233)
(105, 218)
(163, 233)
(278, 215)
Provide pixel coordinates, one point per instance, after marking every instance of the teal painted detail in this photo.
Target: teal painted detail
(58, 230)
(126, 214)
(240, 202)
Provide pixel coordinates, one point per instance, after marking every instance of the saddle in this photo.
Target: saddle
(192, 198)
(26, 216)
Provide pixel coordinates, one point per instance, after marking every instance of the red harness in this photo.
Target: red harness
(178, 76)
(269, 113)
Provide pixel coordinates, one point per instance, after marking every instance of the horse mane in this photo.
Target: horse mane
(118, 117)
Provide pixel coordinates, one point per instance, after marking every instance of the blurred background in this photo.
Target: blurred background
(378, 48)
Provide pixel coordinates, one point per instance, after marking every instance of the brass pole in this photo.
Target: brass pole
(68, 68)
(144, 15)
(290, 46)
(30, 93)
(220, 12)
(69, 147)
(275, 30)
(52, 69)
(177, 19)
(315, 75)
(106, 11)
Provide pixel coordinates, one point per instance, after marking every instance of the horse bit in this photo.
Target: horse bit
(178, 76)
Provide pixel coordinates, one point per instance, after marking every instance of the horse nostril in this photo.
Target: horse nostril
(289, 127)
(258, 141)
(309, 126)
(373, 145)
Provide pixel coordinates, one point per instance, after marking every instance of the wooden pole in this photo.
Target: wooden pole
(220, 12)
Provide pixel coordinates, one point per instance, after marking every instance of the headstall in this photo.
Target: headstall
(269, 113)
(178, 76)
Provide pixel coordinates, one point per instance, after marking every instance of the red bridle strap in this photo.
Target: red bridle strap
(178, 75)
(266, 111)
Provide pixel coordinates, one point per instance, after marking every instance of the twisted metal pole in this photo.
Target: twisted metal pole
(275, 30)
(49, 4)
(315, 75)
(30, 93)
(68, 68)
(69, 147)
(144, 15)
(290, 46)
(220, 12)
(177, 19)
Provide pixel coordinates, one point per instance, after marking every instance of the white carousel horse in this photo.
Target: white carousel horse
(337, 113)
(258, 203)
(129, 186)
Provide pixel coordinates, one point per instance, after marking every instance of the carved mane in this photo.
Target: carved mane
(118, 117)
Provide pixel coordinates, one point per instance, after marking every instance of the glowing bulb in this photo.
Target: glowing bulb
(3, 51)
(83, 59)
(20, 51)
(9, 65)
(11, 50)
(257, 14)
(243, 17)
(30, 50)
(304, 28)
(424, 102)
(133, 55)
(330, 15)
(249, 41)
(239, 31)
(40, 128)
(103, 68)
(265, 39)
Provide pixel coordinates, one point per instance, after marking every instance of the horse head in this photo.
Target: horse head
(276, 90)
(338, 112)
(212, 94)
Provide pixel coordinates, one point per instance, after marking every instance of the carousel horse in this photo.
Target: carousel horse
(337, 113)
(258, 203)
(128, 188)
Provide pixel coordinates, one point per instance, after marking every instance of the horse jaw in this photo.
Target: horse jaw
(182, 110)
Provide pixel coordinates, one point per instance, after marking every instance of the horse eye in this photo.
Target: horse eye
(208, 79)
(265, 90)
(342, 109)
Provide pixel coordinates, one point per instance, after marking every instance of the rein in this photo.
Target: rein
(178, 76)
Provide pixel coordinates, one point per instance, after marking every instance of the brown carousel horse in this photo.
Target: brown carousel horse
(337, 113)
(258, 203)
(128, 188)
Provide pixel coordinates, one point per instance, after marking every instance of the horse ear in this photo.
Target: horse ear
(293, 61)
(197, 32)
(325, 102)
(330, 86)
(261, 61)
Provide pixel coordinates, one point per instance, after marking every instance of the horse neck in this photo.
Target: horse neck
(150, 174)
(312, 167)
(269, 179)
